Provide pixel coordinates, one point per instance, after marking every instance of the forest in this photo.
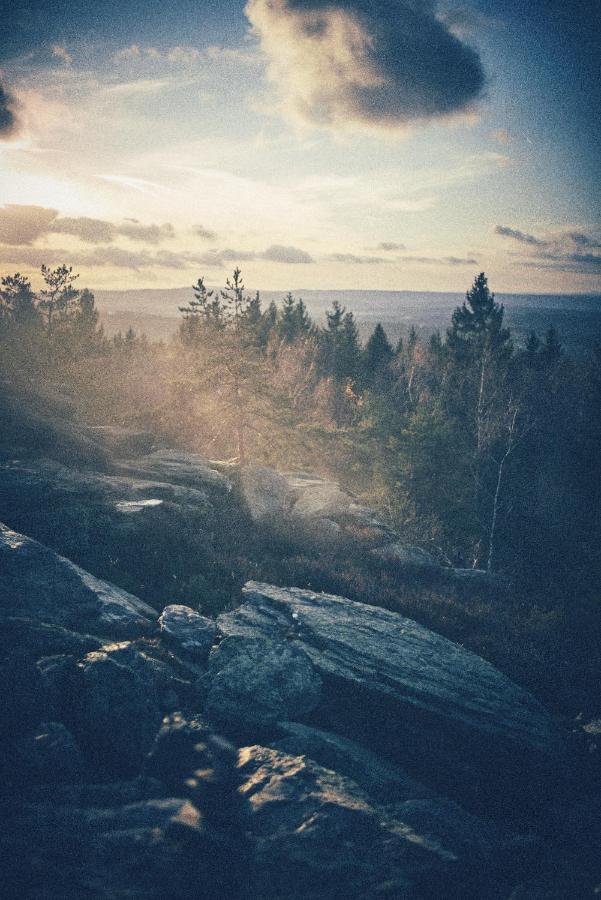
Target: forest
(482, 452)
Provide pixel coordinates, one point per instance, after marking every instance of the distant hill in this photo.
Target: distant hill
(577, 317)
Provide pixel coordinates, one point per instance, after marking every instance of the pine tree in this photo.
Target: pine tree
(57, 299)
(551, 350)
(378, 352)
(377, 357)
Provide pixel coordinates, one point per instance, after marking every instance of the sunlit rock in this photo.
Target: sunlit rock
(317, 834)
(188, 630)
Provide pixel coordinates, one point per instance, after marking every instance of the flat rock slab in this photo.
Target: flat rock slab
(37, 583)
(48, 476)
(409, 693)
(178, 467)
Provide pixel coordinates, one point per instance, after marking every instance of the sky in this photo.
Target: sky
(366, 144)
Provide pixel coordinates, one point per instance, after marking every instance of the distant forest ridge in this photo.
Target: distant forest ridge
(577, 317)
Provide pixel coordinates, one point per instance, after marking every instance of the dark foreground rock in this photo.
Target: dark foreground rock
(37, 583)
(410, 694)
(187, 630)
(319, 836)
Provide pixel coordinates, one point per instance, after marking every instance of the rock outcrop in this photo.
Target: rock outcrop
(318, 513)
(39, 584)
(411, 694)
(187, 630)
(319, 836)
(255, 682)
(302, 746)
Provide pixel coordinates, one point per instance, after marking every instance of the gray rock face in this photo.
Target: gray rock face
(318, 835)
(37, 422)
(254, 682)
(267, 492)
(320, 513)
(39, 584)
(117, 711)
(378, 778)
(408, 693)
(188, 630)
(178, 468)
(136, 488)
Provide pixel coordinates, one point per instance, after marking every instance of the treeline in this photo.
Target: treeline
(483, 452)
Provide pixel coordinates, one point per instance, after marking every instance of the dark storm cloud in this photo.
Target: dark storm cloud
(8, 120)
(374, 63)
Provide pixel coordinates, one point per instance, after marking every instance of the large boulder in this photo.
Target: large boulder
(255, 682)
(410, 694)
(266, 492)
(318, 835)
(187, 630)
(38, 584)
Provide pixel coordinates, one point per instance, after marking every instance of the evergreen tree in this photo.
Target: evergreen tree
(377, 357)
(17, 300)
(58, 298)
(551, 350)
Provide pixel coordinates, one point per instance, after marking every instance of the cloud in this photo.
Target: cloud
(365, 63)
(60, 52)
(20, 224)
(179, 55)
(281, 254)
(390, 245)
(205, 233)
(150, 234)
(465, 20)
(352, 259)
(440, 260)
(584, 240)
(520, 236)
(579, 263)
(8, 120)
(567, 251)
(93, 231)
